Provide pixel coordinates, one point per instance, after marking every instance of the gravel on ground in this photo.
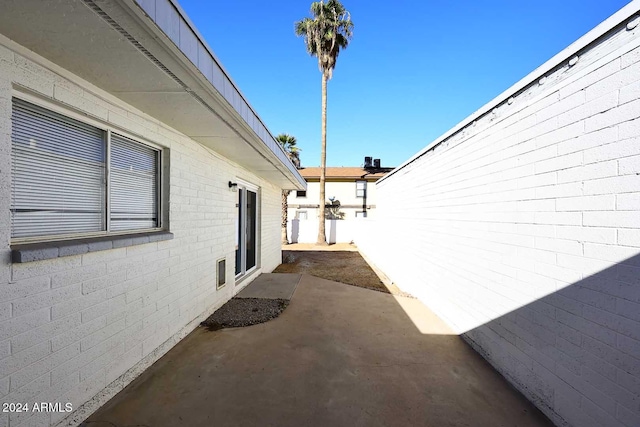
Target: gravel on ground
(239, 312)
(339, 264)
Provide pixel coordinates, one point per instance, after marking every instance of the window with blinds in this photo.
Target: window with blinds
(69, 177)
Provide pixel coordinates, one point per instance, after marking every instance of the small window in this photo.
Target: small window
(70, 177)
(361, 188)
(362, 214)
(301, 194)
(301, 214)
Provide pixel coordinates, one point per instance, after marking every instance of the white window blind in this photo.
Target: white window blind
(59, 170)
(134, 185)
(57, 173)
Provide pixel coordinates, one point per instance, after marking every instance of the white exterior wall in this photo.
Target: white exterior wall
(71, 326)
(337, 231)
(343, 191)
(522, 231)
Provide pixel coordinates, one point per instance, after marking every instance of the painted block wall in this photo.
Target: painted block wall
(521, 229)
(71, 327)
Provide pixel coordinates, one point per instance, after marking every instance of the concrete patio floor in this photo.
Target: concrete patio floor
(339, 355)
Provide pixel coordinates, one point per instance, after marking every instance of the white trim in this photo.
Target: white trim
(251, 127)
(247, 184)
(107, 180)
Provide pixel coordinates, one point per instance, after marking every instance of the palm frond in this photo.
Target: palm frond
(327, 32)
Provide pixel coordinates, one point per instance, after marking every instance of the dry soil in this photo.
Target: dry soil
(340, 264)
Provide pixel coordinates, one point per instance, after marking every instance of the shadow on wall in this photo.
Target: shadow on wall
(578, 348)
(574, 351)
(332, 231)
(295, 230)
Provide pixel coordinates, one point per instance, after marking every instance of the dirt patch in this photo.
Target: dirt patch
(239, 312)
(340, 266)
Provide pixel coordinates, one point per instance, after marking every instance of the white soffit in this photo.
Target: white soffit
(117, 47)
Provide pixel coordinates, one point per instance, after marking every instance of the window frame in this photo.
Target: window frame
(241, 223)
(298, 212)
(74, 113)
(364, 190)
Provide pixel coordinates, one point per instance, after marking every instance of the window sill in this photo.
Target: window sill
(28, 252)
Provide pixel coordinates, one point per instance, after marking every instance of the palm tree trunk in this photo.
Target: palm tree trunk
(322, 239)
(285, 219)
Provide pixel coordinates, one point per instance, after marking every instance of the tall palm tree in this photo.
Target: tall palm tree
(289, 144)
(327, 32)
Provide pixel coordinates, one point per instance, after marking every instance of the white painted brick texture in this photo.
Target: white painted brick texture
(522, 231)
(71, 326)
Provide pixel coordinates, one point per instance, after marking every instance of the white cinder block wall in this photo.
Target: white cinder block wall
(71, 326)
(521, 229)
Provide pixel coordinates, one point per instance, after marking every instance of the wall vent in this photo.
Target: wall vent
(102, 14)
(221, 273)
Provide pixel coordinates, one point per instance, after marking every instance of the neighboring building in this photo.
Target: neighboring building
(138, 193)
(349, 192)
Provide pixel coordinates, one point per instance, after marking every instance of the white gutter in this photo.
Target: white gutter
(234, 97)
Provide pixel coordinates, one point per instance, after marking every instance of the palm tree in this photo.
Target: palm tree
(325, 33)
(288, 143)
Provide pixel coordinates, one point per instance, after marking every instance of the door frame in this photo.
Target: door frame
(242, 223)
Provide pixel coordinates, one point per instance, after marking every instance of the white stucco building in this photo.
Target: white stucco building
(139, 191)
(349, 190)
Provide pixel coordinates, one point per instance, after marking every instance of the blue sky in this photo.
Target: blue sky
(413, 70)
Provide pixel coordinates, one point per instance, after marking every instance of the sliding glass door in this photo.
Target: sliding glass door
(247, 229)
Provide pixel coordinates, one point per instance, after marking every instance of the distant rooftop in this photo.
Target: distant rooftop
(336, 173)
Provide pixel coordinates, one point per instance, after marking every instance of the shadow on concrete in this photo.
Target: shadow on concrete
(338, 356)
